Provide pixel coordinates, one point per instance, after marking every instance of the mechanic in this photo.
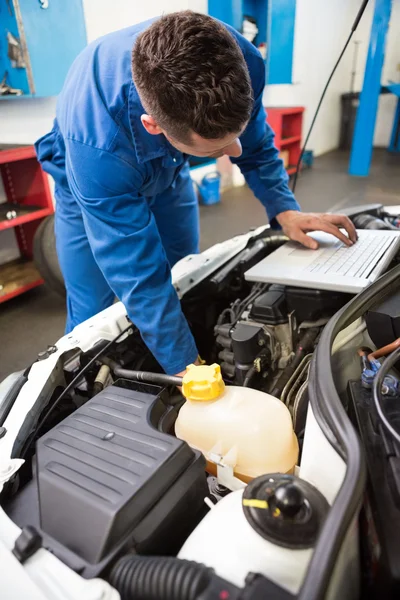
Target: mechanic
(136, 103)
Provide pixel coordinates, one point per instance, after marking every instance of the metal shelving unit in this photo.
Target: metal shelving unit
(287, 124)
(28, 202)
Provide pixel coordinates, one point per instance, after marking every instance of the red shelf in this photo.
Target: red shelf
(12, 153)
(286, 110)
(27, 187)
(290, 140)
(33, 216)
(21, 290)
(286, 123)
(17, 277)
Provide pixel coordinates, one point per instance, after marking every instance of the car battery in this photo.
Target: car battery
(380, 516)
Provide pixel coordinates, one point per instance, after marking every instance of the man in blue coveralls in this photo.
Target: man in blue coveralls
(136, 103)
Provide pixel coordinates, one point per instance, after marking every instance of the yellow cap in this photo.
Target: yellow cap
(203, 382)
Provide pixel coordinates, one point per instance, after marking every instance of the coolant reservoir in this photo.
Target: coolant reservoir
(249, 430)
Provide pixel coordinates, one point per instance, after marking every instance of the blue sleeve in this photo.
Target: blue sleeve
(259, 162)
(126, 245)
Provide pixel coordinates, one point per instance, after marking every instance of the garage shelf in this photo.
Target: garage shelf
(28, 193)
(10, 153)
(17, 277)
(290, 140)
(39, 213)
(287, 123)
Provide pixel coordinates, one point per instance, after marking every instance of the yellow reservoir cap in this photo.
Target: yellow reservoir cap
(203, 382)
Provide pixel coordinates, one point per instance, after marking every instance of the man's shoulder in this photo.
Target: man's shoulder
(93, 105)
(105, 63)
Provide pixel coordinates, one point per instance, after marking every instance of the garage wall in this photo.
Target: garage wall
(320, 32)
(321, 29)
(103, 16)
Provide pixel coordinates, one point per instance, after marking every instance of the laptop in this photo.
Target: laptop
(333, 266)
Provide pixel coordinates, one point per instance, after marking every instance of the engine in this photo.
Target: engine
(264, 338)
(258, 334)
(108, 477)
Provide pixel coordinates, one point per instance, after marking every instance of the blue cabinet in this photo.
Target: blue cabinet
(39, 39)
(281, 34)
(274, 21)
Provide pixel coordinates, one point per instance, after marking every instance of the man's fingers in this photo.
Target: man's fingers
(324, 225)
(345, 222)
(298, 226)
(299, 236)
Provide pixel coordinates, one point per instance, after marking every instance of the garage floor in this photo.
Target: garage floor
(36, 319)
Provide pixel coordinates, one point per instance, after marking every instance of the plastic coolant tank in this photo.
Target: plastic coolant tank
(247, 532)
(251, 431)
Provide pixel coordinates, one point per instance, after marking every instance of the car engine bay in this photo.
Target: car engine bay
(105, 478)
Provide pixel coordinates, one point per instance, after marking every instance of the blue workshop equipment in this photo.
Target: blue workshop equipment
(210, 189)
(275, 22)
(39, 40)
(361, 151)
(394, 145)
(307, 159)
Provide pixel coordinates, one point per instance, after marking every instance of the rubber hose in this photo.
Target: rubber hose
(147, 377)
(101, 379)
(304, 346)
(159, 578)
(250, 374)
(369, 222)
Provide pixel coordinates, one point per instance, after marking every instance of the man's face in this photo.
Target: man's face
(198, 146)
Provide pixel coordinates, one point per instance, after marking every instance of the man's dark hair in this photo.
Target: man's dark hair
(191, 75)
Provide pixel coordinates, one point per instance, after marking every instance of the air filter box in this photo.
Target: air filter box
(108, 479)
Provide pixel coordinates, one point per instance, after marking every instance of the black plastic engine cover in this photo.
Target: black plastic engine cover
(245, 342)
(270, 308)
(106, 474)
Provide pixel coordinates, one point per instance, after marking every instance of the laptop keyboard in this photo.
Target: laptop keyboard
(355, 261)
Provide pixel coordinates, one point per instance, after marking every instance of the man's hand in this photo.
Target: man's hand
(296, 224)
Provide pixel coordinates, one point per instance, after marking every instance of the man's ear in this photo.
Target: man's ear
(150, 125)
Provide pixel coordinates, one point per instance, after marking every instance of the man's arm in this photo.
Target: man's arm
(266, 176)
(126, 244)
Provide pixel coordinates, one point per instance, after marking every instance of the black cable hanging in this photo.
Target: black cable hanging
(354, 27)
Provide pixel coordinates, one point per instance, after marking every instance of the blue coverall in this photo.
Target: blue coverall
(126, 210)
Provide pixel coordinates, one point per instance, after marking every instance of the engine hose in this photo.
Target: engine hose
(249, 376)
(159, 578)
(101, 379)
(305, 345)
(147, 377)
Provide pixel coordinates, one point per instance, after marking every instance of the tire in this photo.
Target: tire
(45, 256)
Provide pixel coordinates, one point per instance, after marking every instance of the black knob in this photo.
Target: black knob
(289, 499)
(295, 510)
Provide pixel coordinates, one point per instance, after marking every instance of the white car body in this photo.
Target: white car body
(45, 577)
